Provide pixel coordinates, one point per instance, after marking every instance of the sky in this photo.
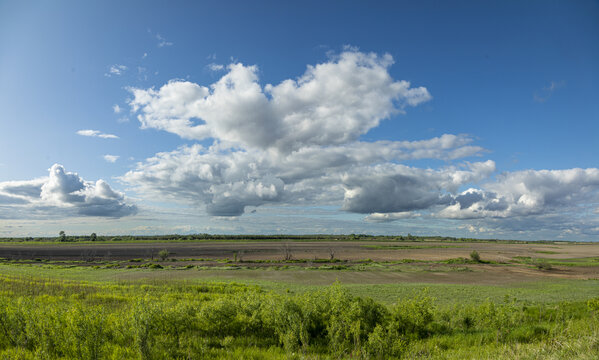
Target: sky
(452, 118)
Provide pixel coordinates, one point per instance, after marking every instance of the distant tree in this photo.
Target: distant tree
(93, 237)
(163, 254)
(474, 255)
(287, 252)
(63, 236)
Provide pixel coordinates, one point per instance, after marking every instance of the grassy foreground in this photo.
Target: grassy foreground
(51, 317)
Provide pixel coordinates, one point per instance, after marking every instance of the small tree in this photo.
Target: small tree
(93, 237)
(63, 236)
(475, 256)
(238, 256)
(163, 254)
(287, 252)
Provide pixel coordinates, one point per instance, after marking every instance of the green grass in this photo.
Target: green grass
(43, 314)
(546, 292)
(404, 265)
(371, 283)
(448, 294)
(585, 261)
(58, 312)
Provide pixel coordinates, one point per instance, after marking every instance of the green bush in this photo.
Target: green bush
(593, 305)
(543, 265)
(385, 344)
(163, 254)
(53, 319)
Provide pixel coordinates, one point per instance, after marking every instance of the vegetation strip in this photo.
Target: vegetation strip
(86, 320)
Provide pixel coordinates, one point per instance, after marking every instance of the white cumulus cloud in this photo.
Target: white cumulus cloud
(111, 158)
(96, 133)
(386, 217)
(300, 142)
(330, 104)
(63, 193)
(392, 188)
(223, 179)
(528, 192)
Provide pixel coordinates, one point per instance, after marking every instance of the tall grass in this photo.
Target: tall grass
(58, 319)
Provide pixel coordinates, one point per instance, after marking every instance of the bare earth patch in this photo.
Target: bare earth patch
(349, 262)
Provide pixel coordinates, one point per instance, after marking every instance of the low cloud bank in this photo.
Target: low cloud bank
(61, 193)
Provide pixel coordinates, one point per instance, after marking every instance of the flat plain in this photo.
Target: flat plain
(300, 264)
(299, 298)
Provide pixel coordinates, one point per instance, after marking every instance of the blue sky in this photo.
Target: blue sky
(512, 85)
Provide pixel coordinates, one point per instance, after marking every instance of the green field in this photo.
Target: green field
(70, 311)
(297, 281)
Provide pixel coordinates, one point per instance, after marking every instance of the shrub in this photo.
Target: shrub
(593, 305)
(543, 265)
(413, 317)
(384, 344)
(163, 254)
(143, 327)
(52, 319)
(350, 320)
(474, 255)
(290, 324)
(85, 329)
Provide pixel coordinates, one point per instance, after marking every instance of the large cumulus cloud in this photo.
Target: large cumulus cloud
(331, 103)
(528, 192)
(392, 188)
(228, 180)
(293, 142)
(63, 193)
(301, 142)
(554, 201)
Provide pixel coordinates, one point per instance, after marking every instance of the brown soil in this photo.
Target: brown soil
(348, 252)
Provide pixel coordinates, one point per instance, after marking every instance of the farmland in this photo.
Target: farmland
(314, 298)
